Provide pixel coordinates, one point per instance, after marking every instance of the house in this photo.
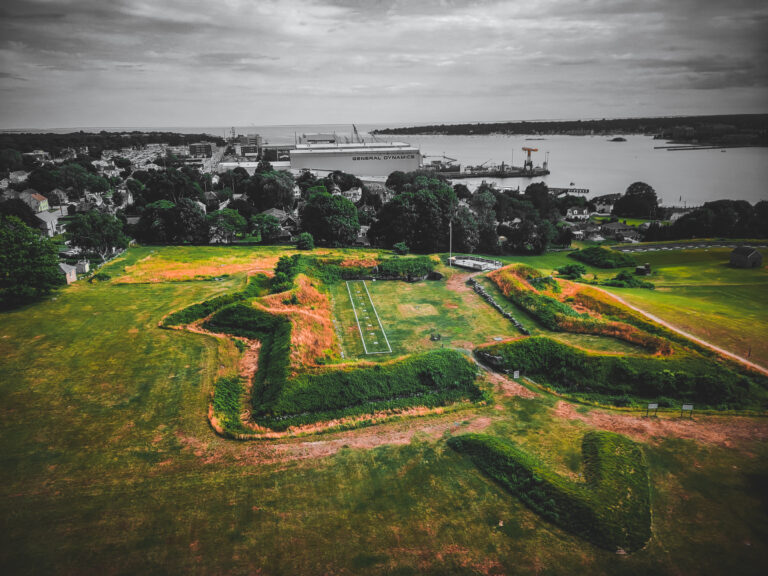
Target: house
(18, 176)
(619, 231)
(49, 223)
(577, 214)
(60, 195)
(285, 219)
(34, 200)
(643, 270)
(362, 236)
(746, 257)
(353, 194)
(69, 272)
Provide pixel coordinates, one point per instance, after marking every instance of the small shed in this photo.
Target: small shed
(83, 267)
(69, 272)
(644, 270)
(746, 257)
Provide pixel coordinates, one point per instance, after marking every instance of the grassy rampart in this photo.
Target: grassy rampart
(611, 508)
(682, 377)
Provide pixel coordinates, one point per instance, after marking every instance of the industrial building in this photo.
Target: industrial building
(359, 158)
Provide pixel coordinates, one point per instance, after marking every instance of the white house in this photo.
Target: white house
(49, 223)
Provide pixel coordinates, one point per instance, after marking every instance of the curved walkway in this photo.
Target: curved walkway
(696, 339)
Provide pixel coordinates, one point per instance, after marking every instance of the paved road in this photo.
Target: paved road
(683, 246)
(709, 345)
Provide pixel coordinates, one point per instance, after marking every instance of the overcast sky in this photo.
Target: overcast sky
(69, 63)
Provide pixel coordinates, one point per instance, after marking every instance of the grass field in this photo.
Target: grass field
(372, 334)
(108, 465)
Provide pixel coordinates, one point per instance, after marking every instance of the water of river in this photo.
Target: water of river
(593, 162)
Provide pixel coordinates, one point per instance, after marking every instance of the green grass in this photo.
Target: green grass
(108, 466)
(372, 334)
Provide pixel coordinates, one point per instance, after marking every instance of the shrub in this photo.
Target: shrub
(100, 277)
(305, 241)
(611, 509)
(285, 272)
(400, 248)
(603, 258)
(406, 268)
(625, 279)
(571, 271)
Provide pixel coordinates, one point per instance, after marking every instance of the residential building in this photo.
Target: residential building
(69, 272)
(49, 223)
(34, 200)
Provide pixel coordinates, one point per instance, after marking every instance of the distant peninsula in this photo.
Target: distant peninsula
(726, 130)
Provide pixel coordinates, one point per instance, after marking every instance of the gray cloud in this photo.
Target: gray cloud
(290, 61)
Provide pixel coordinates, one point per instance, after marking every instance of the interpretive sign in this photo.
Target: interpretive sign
(652, 406)
(687, 408)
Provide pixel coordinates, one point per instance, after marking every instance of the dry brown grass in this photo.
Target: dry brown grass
(313, 335)
(149, 270)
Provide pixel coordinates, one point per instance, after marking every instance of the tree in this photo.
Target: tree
(305, 241)
(267, 190)
(266, 226)
(20, 209)
(462, 192)
(639, 201)
(29, 263)
(97, 232)
(466, 235)
(332, 220)
(164, 222)
(483, 204)
(42, 180)
(401, 248)
(10, 160)
(226, 224)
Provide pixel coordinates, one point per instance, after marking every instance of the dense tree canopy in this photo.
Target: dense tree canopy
(29, 264)
(164, 222)
(266, 227)
(419, 216)
(332, 220)
(639, 201)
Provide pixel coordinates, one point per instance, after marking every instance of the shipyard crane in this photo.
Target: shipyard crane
(528, 164)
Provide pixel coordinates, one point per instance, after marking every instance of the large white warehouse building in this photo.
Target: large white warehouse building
(361, 159)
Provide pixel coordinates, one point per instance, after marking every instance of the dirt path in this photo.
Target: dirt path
(395, 433)
(720, 430)
(704, 343)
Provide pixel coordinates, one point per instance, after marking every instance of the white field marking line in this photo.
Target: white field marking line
(377, 316)
(360, 329)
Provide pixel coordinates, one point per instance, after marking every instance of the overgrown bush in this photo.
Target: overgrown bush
(305, 241)
(285, 272)
(625, 279)
(603, 258)
(400, 248)
(571, 271)
(406, 268)
(611, 508)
